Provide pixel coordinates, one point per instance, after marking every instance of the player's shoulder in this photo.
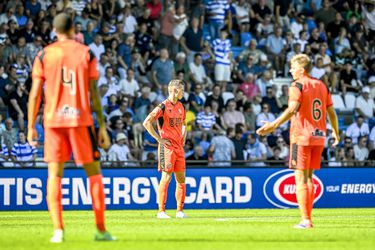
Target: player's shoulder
(297, 84)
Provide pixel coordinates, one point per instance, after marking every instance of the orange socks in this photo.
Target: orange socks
(311, 196)
(180, 195)
(54, 201)
(98, 200)
(162, 194)
(303, 200)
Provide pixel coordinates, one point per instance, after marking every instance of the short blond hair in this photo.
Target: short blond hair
(176, 83)
(303, 60)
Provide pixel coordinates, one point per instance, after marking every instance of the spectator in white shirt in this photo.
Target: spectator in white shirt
(103, 64)
(357, 129)
(265, 115)
(198, 73)
(364, 105)
(318, 70)
(8, 15)
(371, 138)
(110, 80)
(129, 85)
(360, 150)
(130, 23)
(119, 151)
(97, 46)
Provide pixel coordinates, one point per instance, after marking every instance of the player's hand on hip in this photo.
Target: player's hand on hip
(32, 137)
(337, 138)
(267, 128)
(103, 139)
(165, 142)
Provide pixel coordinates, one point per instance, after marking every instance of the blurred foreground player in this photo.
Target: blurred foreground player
(309, 101)
(68, 71)
(170, 116)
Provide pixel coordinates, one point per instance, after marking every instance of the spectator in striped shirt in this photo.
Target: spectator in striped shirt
(206, 120)
(223, 56)
(217, 10)
(23, 154)
(4, 155)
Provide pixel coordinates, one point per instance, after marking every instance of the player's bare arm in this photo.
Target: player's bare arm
(33, 107)
(148, 125)
(103, 138)
(334, 123)
(268, 127)
(184, 132)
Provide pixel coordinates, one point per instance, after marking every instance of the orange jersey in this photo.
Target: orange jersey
(308, 126)
(66, 67)
(171, 118)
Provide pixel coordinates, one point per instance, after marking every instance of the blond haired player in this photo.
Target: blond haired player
(170, 117)
(309, 101)
(68, 72)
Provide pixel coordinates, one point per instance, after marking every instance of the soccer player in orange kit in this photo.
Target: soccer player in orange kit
(170, 116)
(309, 101)
(68, 72)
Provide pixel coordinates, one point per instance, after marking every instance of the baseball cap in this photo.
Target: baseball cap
(366, 89)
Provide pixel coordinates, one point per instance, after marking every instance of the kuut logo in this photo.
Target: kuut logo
(280, 189)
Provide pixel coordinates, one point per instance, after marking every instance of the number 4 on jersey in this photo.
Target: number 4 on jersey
(69, 80)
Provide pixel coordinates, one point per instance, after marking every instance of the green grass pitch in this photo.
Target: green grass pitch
(352, 229)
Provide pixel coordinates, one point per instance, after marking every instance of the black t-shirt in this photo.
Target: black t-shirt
(22, 103)
(239, 146)
(347, 78)
(284, 6)
(192, 39)
(220, 101)
(334, 28)
(272, 103)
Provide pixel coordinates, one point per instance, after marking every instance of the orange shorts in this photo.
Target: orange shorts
(305, 157)
(171, 160)
(61, 142)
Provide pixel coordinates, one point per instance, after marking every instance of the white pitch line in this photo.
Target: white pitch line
(268, 218)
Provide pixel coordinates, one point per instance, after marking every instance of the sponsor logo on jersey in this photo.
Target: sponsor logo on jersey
(280, 189)
(68, 112)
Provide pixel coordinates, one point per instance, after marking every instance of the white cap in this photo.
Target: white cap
(371, 79)
(366, 89)
(120, 136)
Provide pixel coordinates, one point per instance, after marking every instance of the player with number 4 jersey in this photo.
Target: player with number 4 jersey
(309, 102)
(67, 72)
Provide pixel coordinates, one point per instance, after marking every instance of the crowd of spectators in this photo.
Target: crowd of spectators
(230, 54)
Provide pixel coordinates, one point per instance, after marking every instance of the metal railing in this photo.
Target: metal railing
(190, 164)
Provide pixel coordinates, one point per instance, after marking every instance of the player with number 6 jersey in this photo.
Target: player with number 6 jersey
(309, 102)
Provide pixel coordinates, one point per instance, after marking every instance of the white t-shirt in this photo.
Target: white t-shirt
(179, 28)
(130, 24)
(97, 50)
(198, 71)
(354, 131)
(118, 153)
(129, 87)
(367, 107)
(317, 73)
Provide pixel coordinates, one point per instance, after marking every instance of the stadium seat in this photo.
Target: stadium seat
(350, 101)
(245, 38)
(226, 96)
(236, 51)
(338, 102)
